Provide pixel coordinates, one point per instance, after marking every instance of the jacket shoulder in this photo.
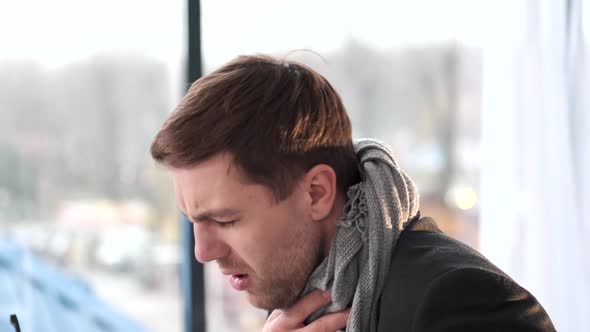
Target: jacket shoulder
(476, 299)
(436, 283)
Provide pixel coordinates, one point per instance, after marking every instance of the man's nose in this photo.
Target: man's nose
(208, 245)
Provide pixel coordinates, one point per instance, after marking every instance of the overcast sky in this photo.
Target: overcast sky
(56, 32)
(60, 31)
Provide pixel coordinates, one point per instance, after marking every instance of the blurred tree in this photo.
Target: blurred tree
(85, 127)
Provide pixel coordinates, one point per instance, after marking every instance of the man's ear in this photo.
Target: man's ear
(322, 189)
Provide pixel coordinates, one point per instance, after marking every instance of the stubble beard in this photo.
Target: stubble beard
(287, 276)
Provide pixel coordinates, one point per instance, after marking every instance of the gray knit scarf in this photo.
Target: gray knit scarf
(357, 265)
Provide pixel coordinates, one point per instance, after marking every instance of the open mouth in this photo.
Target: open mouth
(239, 281)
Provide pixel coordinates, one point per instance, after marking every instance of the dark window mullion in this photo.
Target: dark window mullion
(193, 272)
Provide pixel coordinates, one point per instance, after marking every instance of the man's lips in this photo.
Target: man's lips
(239, 281)
(231, 273)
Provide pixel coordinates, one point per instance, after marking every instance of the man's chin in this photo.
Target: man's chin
(269, 302)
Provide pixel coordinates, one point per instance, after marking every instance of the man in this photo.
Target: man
(307, 222)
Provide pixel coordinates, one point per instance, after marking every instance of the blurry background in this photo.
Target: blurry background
(84, 86)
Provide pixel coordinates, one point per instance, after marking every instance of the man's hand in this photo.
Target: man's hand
(292, 319)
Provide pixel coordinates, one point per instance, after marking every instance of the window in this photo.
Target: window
(84, 86)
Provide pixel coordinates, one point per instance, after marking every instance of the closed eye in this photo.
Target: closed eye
(225, 223)
(218, 219)
(221, 223)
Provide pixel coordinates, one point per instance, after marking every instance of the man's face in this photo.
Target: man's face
(268, 249)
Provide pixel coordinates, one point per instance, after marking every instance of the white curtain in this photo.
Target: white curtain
(535, 142)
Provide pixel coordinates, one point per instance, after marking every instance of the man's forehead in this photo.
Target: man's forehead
(205, 188)
(211, 186)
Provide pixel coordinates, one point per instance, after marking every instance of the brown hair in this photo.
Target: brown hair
(277, 119)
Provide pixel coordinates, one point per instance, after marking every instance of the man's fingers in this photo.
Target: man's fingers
(329, 323)
(293, 318)
(306, 306)
(275, 313)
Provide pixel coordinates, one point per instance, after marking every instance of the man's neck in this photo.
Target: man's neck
(331, 222)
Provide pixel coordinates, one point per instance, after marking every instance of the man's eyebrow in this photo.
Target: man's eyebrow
(212, 214)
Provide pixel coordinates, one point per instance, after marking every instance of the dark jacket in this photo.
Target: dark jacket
(436, 283)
